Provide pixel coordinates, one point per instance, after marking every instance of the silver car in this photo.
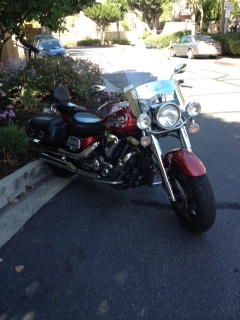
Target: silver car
(198, 45)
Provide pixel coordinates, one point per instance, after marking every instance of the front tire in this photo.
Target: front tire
(195, 203)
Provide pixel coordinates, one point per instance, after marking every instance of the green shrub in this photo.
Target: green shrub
(118, 41)
(13, 141)
(89, 42)
(230, 42)
(145, 34)
(28, 97)
(77, 75)
(42, 75)
(70, 44)
(163, 40)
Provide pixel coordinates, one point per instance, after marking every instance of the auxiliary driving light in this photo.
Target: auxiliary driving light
(143, 121)
(193, 108)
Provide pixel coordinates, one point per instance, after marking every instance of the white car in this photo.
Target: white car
(198, 45)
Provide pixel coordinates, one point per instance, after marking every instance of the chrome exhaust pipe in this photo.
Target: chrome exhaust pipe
(68, 166)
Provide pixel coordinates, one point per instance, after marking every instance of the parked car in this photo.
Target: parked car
(39, 37)
(51, 47)
(198, 45)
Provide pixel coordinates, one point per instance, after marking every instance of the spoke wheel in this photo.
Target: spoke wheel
(195, 203)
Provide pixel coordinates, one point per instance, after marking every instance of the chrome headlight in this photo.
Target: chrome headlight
(143, 121)
(193, 108)
(167, 115)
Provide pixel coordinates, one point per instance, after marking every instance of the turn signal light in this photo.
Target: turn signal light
(145, 141)
(194, 128)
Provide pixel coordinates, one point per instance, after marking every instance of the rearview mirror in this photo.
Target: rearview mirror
(180, 68)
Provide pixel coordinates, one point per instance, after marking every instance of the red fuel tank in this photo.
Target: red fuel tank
(122, 121)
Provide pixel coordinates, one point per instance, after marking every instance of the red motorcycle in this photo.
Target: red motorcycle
(124, 151)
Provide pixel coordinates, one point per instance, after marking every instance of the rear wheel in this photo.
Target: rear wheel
(190, 54)
(195, 203)
(60, 172)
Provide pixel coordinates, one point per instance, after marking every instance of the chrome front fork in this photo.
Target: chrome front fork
(185, 139)
(158, 155)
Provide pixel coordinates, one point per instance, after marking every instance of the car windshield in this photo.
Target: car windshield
(48, 45)
(40, 36)
(203, 38)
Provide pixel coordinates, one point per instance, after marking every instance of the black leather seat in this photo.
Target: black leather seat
(84, 123)
(62, 96)
(69, 108)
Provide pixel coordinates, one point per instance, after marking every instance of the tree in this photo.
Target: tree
(13, 15)
(103, 14)
(196, 6)
(235, 14)
(123, 9)
(167, 12)
(211, 10)
(151, 11)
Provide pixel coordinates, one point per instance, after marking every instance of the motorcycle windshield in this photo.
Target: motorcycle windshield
(162, 91)
(142, 97)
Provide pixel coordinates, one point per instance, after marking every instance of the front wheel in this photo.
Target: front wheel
(195, 203)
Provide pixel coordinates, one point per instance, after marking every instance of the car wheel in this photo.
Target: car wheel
(172, 53)
(190, 54)
(213, 57)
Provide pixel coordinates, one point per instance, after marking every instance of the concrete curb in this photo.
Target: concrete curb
(12, 186)
(233, 62)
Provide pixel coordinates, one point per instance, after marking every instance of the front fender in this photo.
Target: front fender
(186, 161)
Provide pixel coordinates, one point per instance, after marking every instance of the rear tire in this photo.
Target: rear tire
(190, 54)
(195, 203)
(60, 172)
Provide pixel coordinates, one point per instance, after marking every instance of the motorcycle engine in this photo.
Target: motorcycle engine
(110, 143)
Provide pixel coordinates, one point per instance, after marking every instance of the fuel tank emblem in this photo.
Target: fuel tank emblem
(118, 121)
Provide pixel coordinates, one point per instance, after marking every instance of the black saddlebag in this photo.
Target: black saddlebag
(47, 127)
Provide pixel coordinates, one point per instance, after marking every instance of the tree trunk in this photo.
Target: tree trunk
(201, 20)
(222, 16)
(154, 31)
(3, 41)
(102, 36)
(118, 31)
(193, 23)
